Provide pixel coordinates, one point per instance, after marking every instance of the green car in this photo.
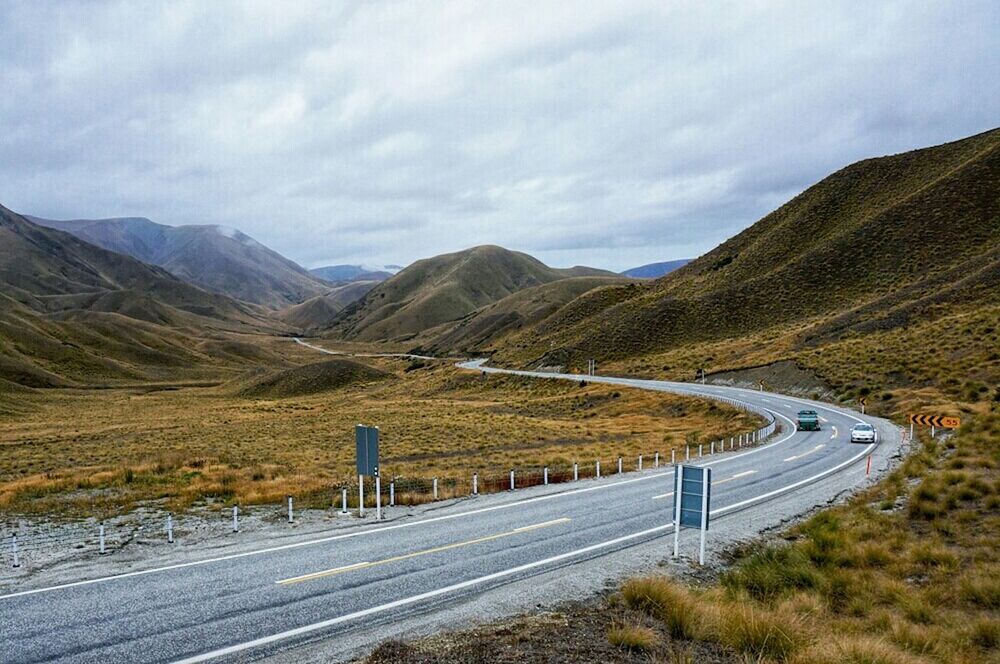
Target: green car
(808, 420)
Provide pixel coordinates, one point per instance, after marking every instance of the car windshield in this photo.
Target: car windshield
(862, 427)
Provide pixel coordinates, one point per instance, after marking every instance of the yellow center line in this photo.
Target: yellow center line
(799, 456)
(437, 549)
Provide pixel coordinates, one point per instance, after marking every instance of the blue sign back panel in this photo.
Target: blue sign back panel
(366, 444)
(690, 487)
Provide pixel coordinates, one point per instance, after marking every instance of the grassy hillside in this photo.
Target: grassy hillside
(320, 311)
(444, 289)
(877, 247)
(74, 314)
(219, 259)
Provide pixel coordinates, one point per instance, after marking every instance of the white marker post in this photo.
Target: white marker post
(545, 475)
(343, 497)
(392, 493)
(511, 479)
(475, 484)
(236, 519)
(378, 497)
(619, 465)
(13, 545)
(576, 472)
(434, 485)
(706, 478)
(291, 518)
(101, 539)
(673, 457)
(678, 486)
(656, 460)
(170, 529)
(640, 462)
(598, 469)
(361, 496)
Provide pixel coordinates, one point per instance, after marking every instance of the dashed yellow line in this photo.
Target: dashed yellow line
(799, 456)
(437, 549)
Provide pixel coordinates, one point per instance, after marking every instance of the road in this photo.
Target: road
(345, 590)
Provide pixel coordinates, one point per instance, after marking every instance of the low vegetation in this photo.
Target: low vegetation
(90, 452)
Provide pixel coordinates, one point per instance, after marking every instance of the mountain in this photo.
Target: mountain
(655, 270)
(216, 258)
(520, 309)
(75, 313)
(319, 312)
(880, 245)
(442, 289)
(338, 273)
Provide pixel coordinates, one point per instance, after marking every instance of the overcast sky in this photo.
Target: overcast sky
(610, 134)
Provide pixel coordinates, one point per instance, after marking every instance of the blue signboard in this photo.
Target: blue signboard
(366, 442)
(693, 492)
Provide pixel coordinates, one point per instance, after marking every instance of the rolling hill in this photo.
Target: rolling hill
(74, 313)
(216, 258)
(878, 246)
(320, 311)
(443, 289)
(338, 273)
(655, 270)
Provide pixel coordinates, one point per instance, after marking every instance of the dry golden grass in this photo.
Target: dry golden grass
(633, 637)
(79, 451)
(905, 573)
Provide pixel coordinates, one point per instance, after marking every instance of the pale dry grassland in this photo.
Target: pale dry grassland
(93, 452)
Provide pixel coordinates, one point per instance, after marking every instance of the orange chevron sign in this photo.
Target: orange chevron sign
(940, 421)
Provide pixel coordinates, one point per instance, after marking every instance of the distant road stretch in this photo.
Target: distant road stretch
(255, 604)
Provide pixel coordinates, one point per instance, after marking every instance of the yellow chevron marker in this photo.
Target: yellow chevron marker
(437, 549)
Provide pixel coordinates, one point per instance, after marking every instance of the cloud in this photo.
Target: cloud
(608, 133)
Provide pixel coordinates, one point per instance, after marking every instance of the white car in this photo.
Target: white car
(863, 433)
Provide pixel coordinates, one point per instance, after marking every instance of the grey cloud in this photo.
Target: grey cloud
(611, 133)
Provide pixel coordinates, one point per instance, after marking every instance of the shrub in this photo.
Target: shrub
(761, 633)
(666, 601)
(772, 571)
(633, 637)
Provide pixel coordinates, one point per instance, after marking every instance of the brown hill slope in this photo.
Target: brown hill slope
(309, 379)
(443, 289)
(878, 244)
(320, 311)
(75, 313)
(216, 258)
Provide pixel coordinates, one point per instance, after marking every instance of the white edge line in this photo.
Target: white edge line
(298, 631)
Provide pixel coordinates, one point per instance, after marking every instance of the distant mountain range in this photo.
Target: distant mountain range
(74, 312)
(216, 258)
(443, 289)
(339, 273)
(655, 270)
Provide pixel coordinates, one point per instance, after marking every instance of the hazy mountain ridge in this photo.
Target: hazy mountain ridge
(655, 270)
(216, 258)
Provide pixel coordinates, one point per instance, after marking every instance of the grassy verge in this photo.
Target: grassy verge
(100, 452)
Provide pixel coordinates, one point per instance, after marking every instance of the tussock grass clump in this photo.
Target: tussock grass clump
(761, 632)
(772, 571)
(633, 637)
(855, 650)
(667, 601)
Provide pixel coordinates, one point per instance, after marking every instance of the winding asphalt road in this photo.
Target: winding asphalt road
(333, 588)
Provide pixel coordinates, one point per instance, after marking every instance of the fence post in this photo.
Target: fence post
(475, 484)
(101, 539)
(290, 519)
(343, 500)
(545, 475)
(435, 483)
(170, 529)
(576, 472)
(13, 543)
(511, 479)
(236, 519)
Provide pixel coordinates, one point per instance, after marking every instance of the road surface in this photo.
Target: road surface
(346, 590)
